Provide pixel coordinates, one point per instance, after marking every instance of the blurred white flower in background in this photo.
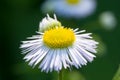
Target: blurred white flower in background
(70, 8)
(108, 20)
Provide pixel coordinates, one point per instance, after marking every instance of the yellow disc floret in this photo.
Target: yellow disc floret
(72, 2)
(59, 37)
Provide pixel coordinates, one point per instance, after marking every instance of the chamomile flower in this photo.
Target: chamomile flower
(108, 20)
(70, 8)
(48, 23)
(58, 47)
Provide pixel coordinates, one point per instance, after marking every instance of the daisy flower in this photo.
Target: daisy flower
(70, 8)
(108, 20)
(56, 47)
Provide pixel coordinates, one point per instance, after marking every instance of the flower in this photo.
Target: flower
(48, 23)
(70, 8)
(58, 47)
(108, 20)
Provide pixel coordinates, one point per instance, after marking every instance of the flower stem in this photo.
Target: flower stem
(60, 75)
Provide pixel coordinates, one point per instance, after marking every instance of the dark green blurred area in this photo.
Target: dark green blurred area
(20, 19)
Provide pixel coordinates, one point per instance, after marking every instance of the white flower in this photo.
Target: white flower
(108, 20)
(58, 48)
(70, 8)
(48, 23)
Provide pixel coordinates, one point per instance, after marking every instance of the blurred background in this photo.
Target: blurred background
(20, 19)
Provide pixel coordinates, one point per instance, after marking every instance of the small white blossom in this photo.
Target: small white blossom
(108, 20)
(81, 9)
(48, 23)
(58, 48)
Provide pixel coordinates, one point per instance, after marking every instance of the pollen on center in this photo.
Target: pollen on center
(72, 2)
(59, 37)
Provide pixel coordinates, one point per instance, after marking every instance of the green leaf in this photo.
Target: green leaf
(117, 75)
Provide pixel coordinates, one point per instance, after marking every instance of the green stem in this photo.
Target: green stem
(60, 75)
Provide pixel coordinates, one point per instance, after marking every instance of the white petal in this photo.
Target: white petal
(86, 54)
(86, 35)
(38, 56)
(67, 58)
(41, 55)
(31, 53)
(73, 58)
(88, 42)
(58, 63)
(80, 58)
(64, 58)
(77, 32)
(31, 41)
(46, 61)
(53, 60)
(35, 37)
(86, 47)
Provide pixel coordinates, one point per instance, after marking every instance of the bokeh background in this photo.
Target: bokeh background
(20, 19)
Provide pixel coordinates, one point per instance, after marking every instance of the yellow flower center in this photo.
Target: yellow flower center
(59, 37)
(72, 2)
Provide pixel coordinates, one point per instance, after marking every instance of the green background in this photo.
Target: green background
(20, 19)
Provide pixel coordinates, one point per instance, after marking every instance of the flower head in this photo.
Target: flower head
(70, 8)
(108, 20)
(48, 23)
(59, 47)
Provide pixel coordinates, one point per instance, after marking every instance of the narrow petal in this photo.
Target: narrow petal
(73, 58)
(57, 61)
(53, 60)
(64, 58)
(38, 56)
(86, 54)
(86, 35)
